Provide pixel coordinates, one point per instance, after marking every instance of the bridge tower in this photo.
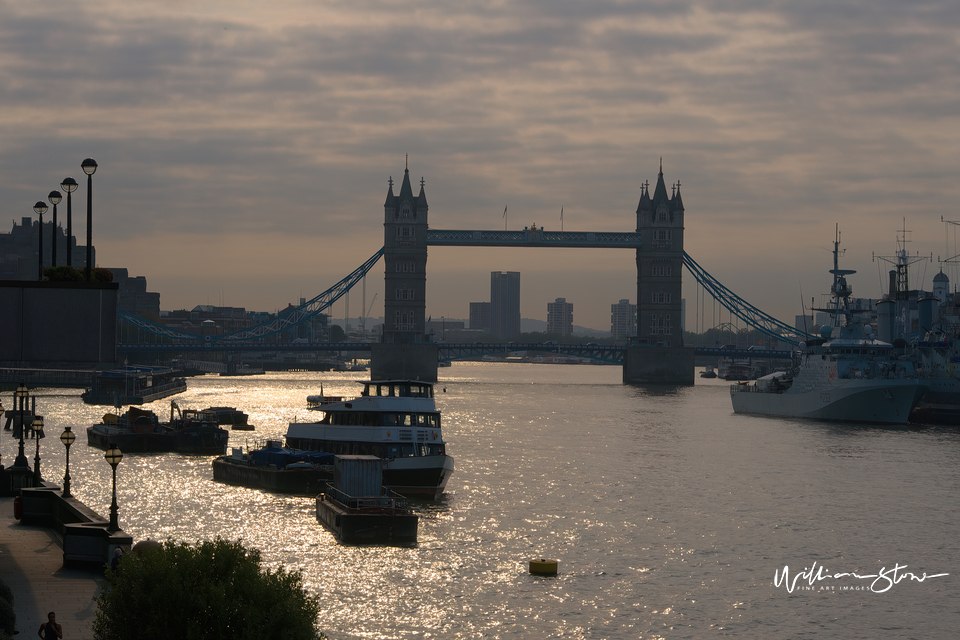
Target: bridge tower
(405, 264)
(659, 265)
(404, 351)
(658, 356)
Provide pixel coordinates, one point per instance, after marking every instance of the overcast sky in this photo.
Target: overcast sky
(245, 147)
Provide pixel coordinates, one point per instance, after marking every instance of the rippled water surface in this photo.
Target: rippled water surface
(668, 514)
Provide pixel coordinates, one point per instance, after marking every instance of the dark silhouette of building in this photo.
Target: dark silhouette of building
(505, 304)
(19, 249)
(405, 264)
(480, 316)
(659, 265)
(133, 296)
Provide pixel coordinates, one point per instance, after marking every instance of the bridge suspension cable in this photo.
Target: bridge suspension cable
(739, 307)
(282, 322)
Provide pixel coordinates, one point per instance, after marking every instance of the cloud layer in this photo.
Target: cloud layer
(245, 149)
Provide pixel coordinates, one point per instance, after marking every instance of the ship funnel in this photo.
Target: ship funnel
(886, 310)
(926, 310)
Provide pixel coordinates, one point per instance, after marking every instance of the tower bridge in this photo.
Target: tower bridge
(405, 349)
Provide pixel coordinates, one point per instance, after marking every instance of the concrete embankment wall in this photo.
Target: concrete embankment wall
(87, 540)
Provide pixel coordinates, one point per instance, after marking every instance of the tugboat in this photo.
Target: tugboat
(229, 416)
(847, 374)
(134, 431)
(140, 431)
(195, 433)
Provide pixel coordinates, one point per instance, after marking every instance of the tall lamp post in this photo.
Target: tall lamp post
(41, 208)
(22, 395)
(69, 185)
(37, 434)
(113, 457)
(89, 167)
(67, 438)
(1, 416)
(54, 197)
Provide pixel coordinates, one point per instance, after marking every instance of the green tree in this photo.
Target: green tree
(212, 590)
(63, 274)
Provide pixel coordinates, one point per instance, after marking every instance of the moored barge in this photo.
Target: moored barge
(358, 509)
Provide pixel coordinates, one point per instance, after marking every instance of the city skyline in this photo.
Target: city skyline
(244, 150)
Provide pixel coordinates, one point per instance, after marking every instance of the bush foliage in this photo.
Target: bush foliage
(71, 274)
(211, 590)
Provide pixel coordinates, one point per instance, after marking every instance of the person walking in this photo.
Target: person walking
(117, 557)
(51, 630)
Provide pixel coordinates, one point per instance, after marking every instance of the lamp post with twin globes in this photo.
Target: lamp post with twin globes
(69, 185)
(89, 167)
(40, 208)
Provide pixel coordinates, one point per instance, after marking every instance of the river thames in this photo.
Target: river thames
(670, 516)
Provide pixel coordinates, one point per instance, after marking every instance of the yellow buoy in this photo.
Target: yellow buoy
(543, 567)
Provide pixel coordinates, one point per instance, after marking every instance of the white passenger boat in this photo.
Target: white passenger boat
(395, 420)
(846, 374)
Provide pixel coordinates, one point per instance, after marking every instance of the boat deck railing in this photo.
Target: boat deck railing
(391, 499)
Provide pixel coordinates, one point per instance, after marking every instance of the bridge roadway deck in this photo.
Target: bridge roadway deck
(10, 377)
(448, 350)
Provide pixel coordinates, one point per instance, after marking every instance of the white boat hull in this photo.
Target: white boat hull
(880, 401)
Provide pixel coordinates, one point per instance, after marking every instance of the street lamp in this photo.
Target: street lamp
(69, 185)
(37, 434)
(113, 457)
(89, 167)
(67, 438)
(41, 208)
(54, 197)
(22, 395)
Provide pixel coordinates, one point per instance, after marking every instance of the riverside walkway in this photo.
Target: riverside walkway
(31, 563)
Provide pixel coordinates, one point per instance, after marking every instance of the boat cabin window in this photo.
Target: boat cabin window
(372, 419)
(403, 390)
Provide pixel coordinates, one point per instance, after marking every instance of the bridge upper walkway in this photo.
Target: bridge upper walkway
(533, 238)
